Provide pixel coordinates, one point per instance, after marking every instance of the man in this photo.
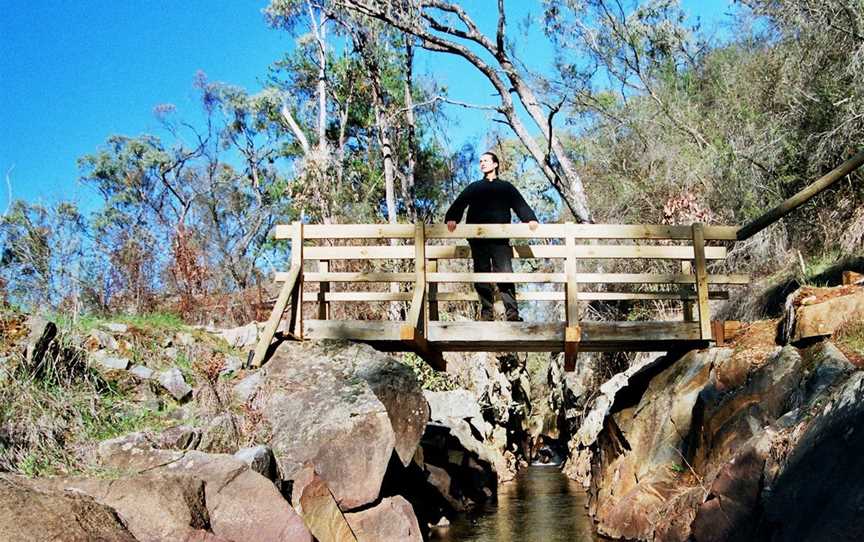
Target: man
(489, 201)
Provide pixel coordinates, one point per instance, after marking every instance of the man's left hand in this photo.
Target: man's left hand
(532, 225)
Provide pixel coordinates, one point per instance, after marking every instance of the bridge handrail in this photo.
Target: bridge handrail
(508, 231)
(426, 276)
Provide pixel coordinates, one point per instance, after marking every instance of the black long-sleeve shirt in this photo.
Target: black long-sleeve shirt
(489, 202)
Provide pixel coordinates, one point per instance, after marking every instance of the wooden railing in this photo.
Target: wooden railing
(431, 244)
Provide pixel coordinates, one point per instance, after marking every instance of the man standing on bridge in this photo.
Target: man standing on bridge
(489, 201)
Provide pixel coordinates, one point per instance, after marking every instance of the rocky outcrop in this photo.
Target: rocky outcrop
(240, 503)
(344, 409)
(752, 442)
(33, 514)
(816, 313)
(153, 506)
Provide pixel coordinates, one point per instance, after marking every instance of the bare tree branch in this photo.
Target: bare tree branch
(9, 189)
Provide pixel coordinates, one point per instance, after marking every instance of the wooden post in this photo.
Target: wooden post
(572, 333)
(799, 199)
(432, 288)
(686, 269)
(295, 326)
(416, 314)
(413, 331)
(701, 281)
(323, 289)
(275, 317)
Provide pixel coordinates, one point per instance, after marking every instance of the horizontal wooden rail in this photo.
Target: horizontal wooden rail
(584, 278)
(520, 296)
(505, 231)
(585, 252)
(579, 231)
(348, 231)
(751, 228)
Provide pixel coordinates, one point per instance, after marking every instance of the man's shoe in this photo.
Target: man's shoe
(514, 318)
(487, 316)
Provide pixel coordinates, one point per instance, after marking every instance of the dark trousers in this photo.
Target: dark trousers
(495, 256)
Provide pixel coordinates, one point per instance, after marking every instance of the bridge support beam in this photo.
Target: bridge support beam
(415, 342)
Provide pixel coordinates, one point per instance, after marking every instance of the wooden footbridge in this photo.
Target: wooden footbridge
(424, 250)
(421, 253)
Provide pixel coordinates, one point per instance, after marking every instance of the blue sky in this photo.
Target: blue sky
(74, 73)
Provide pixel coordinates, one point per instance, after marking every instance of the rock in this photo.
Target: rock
(578, 466)
(44, 515)
(452, 404)
(397, 388)
(439, 479)
(115, 327)
(232, 365)
(242, 504)
(747, 444)
(824, 318)
(391, 521)
(260, 459)
(42, 334)
(733, 497)
(153, 506)
(319, 509)
(826, 366)
(105, 360)
(171, 353)
(220, 435)
(183, 338)
(179, 437)
(147, 398)
(142, 372)
(241, 337)
(173, 381)
(815, 491)
(245, 390)
(643, 441)
(99, 339)
(323, 412)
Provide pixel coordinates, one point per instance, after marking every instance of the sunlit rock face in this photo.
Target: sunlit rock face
(344, 409)
(751, 442)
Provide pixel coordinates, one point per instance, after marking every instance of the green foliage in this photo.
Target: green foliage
(429, 378)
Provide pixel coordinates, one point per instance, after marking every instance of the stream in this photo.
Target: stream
(541, 505)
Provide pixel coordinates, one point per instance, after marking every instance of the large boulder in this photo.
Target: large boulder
(315, 502)
(153, 506)
(344, 409)
(753, 442)
(241, 504)
(33, 514)
(814, 313)
(392, 520)
(649, 437)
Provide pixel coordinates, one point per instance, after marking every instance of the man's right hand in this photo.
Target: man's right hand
(451, 225)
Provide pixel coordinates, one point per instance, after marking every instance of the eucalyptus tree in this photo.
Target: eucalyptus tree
(41, 256)
(446, 27)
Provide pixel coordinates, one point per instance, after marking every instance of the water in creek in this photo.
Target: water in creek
(541, 505)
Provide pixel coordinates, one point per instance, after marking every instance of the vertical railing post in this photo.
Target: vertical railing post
(572, 331)
(416, 315)
(295, 327)
(701, 281)
(323, 290)
(687, 307)
(432, 289)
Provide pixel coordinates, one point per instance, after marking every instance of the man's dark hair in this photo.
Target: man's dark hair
(494, 159)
